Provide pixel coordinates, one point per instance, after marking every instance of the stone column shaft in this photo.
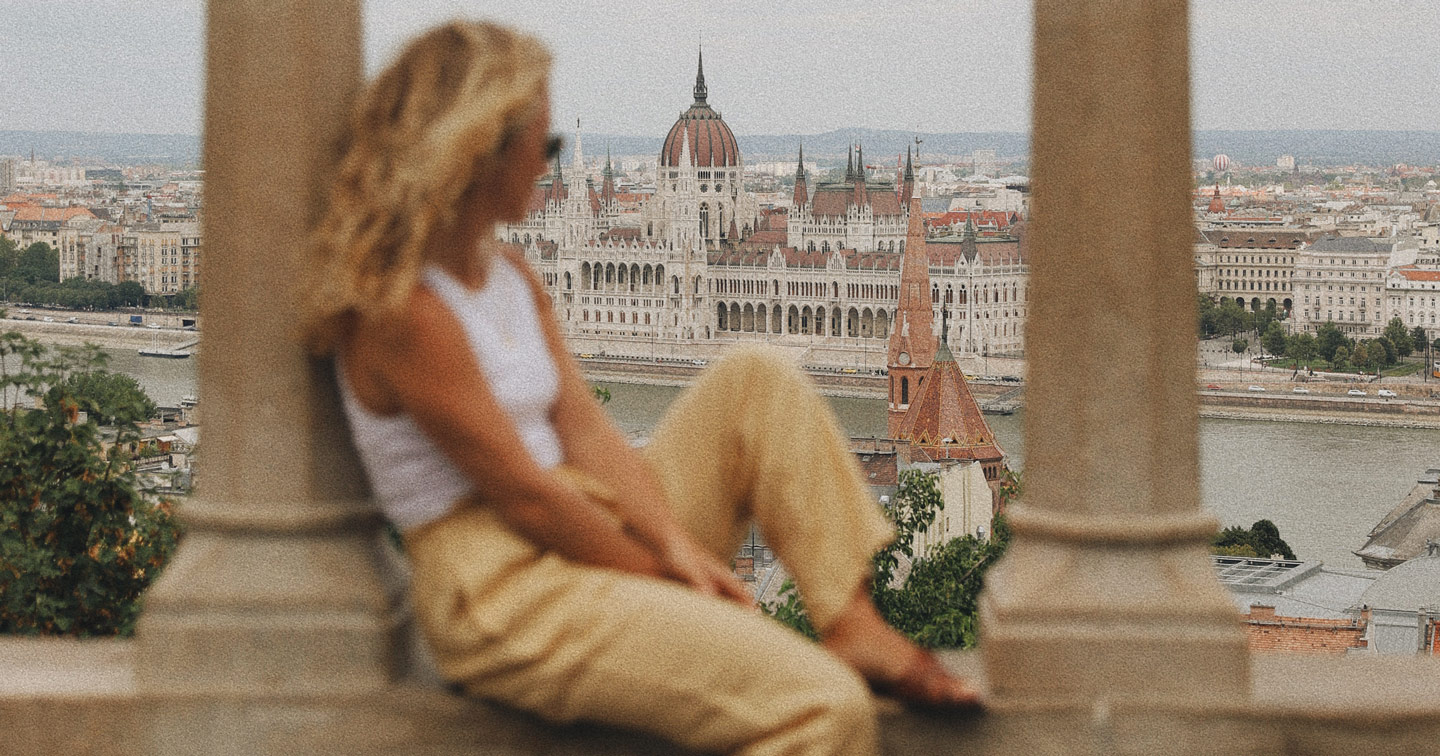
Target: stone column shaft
(1107, 591)
(274, 589)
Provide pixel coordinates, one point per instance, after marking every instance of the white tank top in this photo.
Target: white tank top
(412, 479)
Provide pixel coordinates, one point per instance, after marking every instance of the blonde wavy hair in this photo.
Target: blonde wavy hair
(421, 133)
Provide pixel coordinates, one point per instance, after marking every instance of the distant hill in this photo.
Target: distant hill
(1321, 147)
(122, 149)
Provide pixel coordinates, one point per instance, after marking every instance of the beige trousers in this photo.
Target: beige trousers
(750, 441)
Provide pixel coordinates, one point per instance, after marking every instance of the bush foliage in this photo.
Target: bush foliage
(80, 539)
(935, 604)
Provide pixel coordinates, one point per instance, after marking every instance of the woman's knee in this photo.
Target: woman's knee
(758, 362)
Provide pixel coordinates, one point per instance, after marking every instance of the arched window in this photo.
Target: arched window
(704, 220)
(905, 390)
(567, 280)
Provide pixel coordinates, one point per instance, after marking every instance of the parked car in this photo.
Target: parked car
(1386, 393)
(48, 319)
(1299, 390)
(1212, 387)
(72, 320)
(1355, 392)
(1256, 388)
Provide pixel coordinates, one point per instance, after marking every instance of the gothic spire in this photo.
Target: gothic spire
(850, 163)
(859, 162)
(909, 166)
(800, 164)
(700, 91)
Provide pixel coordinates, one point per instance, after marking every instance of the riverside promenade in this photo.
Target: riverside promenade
(1225, 394)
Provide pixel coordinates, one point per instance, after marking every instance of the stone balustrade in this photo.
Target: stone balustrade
(280, 626)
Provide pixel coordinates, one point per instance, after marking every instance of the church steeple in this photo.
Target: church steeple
(700, 91)
(912, 342)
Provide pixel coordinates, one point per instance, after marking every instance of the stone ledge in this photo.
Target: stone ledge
(79, 697)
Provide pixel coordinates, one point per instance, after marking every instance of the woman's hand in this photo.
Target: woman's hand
(684, 561)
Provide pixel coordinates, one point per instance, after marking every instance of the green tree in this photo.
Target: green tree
(1384, 351)
(1301, 346)
(1263, 318)
(1274, 339)
(1239, 345)
(935, 605)
(1342, 357)
(38, 262)
(1232, 318)
(129, 293)
(1261, 539)
(9, 256)
(1399, 337)
(188, 299)
(1417, 339)
(1206, 316)
(1328, 338)
(79, 538)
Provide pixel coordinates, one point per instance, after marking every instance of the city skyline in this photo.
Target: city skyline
(628, 70)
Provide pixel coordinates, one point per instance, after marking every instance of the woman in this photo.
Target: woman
(556, 569)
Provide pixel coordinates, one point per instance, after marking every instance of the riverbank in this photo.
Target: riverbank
(60, 332)
(1236, 402)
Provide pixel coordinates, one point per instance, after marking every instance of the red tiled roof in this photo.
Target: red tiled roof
(1413, 273)
(622, 233)
(945, 409)
(835, 200)
(768, 236)
(999, 219)
(35, 213)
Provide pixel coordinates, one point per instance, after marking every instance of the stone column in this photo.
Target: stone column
(275, 589)
(1107, 593)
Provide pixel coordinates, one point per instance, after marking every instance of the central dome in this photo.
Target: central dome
(709, 139)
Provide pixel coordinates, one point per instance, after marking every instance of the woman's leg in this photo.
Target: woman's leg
(753, 441)
(575, 643)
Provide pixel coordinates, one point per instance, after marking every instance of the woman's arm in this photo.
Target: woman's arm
(593, 444)
(421, 363)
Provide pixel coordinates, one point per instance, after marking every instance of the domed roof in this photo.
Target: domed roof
(1406, 586)
(701, 130)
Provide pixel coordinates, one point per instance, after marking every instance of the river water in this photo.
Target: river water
(1324, 486)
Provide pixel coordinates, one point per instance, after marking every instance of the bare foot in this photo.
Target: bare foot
(893, 665)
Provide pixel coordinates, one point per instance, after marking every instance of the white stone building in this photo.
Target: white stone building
(702, 265)
(1344, 280)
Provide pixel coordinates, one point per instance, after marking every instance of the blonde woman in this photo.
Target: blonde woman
(556, 569)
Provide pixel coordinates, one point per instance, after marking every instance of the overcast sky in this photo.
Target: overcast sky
(797, 66)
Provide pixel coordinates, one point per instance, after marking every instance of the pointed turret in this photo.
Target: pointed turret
(850, 164)
(907, 188)
(802, 190)
(862, 197)
(607, 186)
(912, 342)
(1217, 205)
(577, 158)
(700, 92)
(685, 148)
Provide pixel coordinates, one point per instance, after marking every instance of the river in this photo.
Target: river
(1323, 485)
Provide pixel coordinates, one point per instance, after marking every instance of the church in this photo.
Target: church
(701, 264)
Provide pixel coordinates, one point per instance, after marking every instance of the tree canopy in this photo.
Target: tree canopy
(1259, 540)
(935, 604)
(80, 538)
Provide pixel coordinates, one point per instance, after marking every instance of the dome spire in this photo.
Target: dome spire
(700, 91)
